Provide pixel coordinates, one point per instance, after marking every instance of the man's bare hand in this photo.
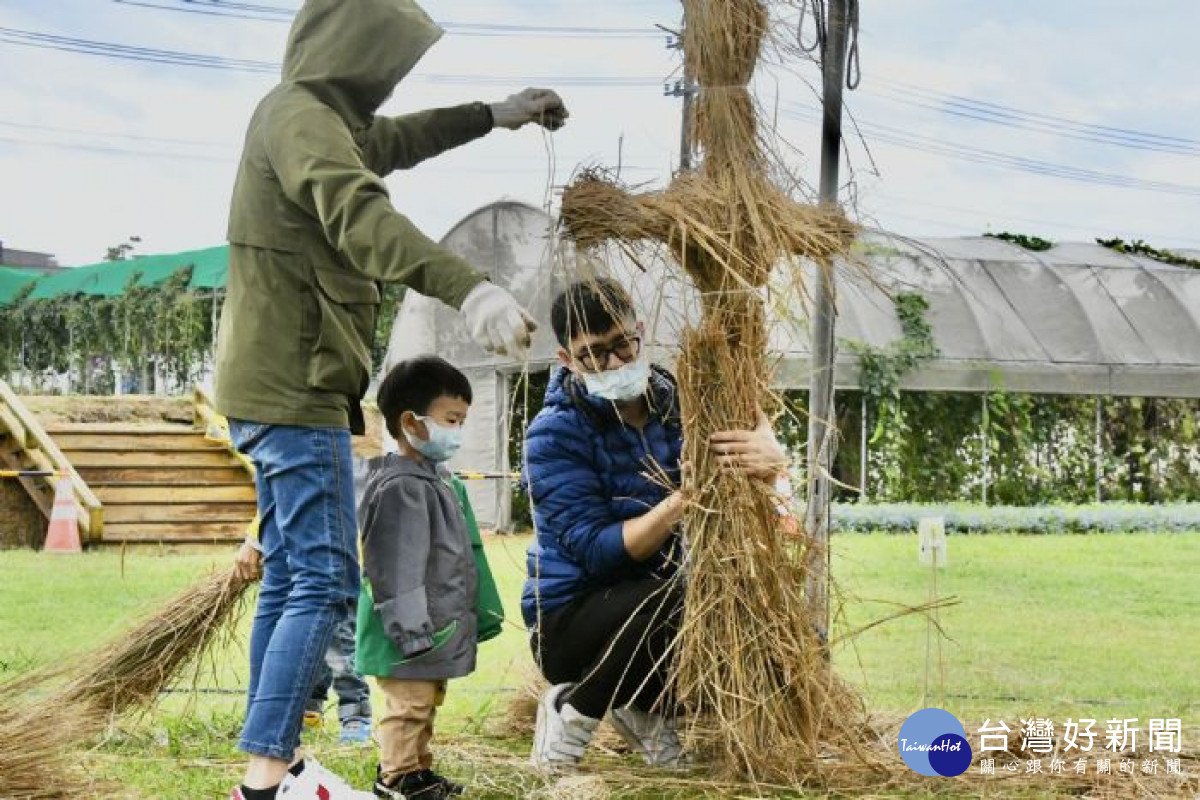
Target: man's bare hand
(756, 452)
(687, 479)
(248, 561)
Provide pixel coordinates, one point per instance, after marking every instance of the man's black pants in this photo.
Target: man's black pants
(615, 643)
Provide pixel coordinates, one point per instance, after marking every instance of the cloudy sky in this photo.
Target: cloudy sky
(1071, 119)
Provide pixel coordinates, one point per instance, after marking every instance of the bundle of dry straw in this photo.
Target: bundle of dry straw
(129, 673)
(44, 718)
(748, 661)
(31, 756)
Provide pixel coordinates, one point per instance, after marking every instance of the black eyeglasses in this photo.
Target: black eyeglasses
(595, 357)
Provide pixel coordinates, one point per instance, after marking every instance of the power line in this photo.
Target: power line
(106, 149)
(242, 6)
(515, 169)
(200, 11)
(967, 102)
(576, 81)
(981, 111)
(68, 44)
(877, 132)
(91, 47)
(889, 135)
(130, 136)
(949, 104)
(1011, 117)
(1027, 165)
(110, 150)
(262, 13)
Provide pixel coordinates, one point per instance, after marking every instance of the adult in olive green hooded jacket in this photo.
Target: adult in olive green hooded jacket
(312, 234)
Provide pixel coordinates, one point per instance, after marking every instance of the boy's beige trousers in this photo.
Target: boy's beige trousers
(407, 725)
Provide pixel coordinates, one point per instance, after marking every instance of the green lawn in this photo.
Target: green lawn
(1051, 626)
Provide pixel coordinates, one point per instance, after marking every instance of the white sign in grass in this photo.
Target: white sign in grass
(931, 541)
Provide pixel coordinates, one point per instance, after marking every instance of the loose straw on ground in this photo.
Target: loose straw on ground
(494, 770)
(46, 717)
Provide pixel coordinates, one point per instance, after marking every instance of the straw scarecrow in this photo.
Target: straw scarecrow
(748, 661)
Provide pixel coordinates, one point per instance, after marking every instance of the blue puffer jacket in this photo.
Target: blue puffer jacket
(586, 473)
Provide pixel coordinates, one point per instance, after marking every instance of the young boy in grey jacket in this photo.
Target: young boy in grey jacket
(417, 613)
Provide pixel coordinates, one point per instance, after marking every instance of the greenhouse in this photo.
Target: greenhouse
(1077, 321)
(1030, 377)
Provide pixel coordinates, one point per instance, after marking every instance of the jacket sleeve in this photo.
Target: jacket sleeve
(396, 547)
(464, 502)
(569, 500)
(320, 168)
(394, 143)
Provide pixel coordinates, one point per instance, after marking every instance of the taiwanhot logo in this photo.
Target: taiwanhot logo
(933, 742)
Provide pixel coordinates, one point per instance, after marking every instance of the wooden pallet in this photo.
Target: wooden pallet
(161, 483)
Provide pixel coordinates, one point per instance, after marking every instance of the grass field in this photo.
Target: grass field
(1100, 627)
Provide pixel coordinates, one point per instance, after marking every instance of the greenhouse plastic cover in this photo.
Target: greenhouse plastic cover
(1075, 319)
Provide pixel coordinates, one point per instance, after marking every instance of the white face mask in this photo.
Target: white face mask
(626, 383)
(442, 444)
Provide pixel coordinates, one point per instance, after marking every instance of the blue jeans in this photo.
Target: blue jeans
(310, 579)
(353, 694)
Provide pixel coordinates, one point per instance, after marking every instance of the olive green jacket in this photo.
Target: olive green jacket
(312, 230)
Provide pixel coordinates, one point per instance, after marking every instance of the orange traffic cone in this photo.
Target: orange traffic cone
(63, 534)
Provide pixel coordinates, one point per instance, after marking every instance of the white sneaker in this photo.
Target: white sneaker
(650, 735)
(561, 735)
(315, 782)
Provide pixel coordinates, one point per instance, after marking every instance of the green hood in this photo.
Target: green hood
(352, 53)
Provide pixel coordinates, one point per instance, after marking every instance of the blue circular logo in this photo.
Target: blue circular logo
(933, 742)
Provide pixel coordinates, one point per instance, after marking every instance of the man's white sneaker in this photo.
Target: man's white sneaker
(315, 782)
(652, 736)
(562, 735)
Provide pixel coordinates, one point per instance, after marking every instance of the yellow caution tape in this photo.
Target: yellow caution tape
(470, 475)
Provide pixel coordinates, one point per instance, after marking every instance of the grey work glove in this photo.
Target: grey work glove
(496, 320)
(531, 105)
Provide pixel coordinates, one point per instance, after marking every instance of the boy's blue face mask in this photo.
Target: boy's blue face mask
(442, 444)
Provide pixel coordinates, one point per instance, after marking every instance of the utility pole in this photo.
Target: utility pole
(822, 429)
(685, 89)
(685, 135)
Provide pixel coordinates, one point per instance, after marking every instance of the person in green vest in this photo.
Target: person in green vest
(427, 594)
(313, 235)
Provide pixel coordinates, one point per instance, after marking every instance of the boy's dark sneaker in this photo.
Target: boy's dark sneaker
(424, 784)
(451, 788)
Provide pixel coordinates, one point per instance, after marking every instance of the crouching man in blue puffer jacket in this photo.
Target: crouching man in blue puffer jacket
(604, 594)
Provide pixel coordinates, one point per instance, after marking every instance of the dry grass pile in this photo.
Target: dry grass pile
(46, 717)
(30, 758)
(146, 409)
(128, 674)
(494, 770)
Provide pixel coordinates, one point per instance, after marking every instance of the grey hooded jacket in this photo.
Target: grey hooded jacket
(418, 560)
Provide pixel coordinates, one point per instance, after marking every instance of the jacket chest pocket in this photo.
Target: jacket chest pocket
(347, 306)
